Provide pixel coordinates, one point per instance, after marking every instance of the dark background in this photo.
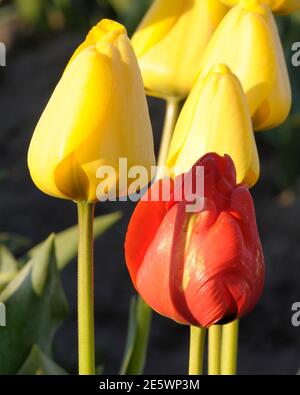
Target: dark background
(41, 36)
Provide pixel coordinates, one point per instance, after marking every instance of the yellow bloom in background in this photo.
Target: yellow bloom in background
(216, 118)
(97, 114)
(280, 7)
(247, 41)
(170, 41)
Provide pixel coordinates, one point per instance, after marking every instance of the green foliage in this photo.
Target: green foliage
(67, 241)
(56, 14)
(137, 338)
(8, 266)
(35, 306)
(37, 363)
(32, 11)
(15, 243)
(35, 302)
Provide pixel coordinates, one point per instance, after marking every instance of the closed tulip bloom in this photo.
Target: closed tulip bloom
(170, 41)
(97, 114)
(216, 118)
(280, 7)
(247, 41)
(198, 268)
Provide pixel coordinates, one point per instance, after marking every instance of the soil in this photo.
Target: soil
(269, 344)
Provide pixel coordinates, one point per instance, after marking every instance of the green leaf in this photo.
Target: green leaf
(66, 242)
(37, 363)
(137, 338)
(14, 242)
(35, 306)
(8, 266)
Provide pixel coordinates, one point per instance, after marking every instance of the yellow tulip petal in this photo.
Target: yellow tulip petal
(216, 118)
(169, 66)
(106, 30)
(247, 41)
(280, 7)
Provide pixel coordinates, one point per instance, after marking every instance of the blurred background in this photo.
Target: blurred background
(40, 36)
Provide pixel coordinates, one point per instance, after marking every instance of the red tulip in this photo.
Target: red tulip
(198, 268)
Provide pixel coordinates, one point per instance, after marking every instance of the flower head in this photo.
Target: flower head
(216, 118)
(247, 40)
(97, 114)
(198, 268)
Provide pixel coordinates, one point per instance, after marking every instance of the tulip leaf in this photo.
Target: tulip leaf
(66, 242)
(14, 242)
(37, 363)
(8, 266)
(131, 335)
(35, 306)
(137, 338)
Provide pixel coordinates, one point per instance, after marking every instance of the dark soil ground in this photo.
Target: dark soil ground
(269, 344)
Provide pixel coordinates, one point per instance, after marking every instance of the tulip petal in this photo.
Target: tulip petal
(247, 40)
(66, 120)
(225, 130)
(279, 7)
(148, 215)
(166, 72)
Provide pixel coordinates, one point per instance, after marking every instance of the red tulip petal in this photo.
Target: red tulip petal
(156, 275)
(143, 226)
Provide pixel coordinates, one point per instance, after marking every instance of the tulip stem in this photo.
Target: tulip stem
(214, 350)
(197, 342)
(86, 341)
(171, 116)
(229, 350)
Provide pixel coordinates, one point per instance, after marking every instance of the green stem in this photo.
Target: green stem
(144, 313)
(229, 348)
(214, 350)
(197, 342)
(86, 341)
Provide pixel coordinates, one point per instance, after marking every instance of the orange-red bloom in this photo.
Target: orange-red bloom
(198, 268)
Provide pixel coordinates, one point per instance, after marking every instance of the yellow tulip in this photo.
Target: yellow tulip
(97, 114)
(247, 41)
(216, 118)
(170, 41)
(280, 7)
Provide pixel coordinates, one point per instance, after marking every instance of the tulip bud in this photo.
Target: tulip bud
(97, 114)
(216, 118)
(247, 41)
(280, 7)
(170, 41)
(200, 268)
